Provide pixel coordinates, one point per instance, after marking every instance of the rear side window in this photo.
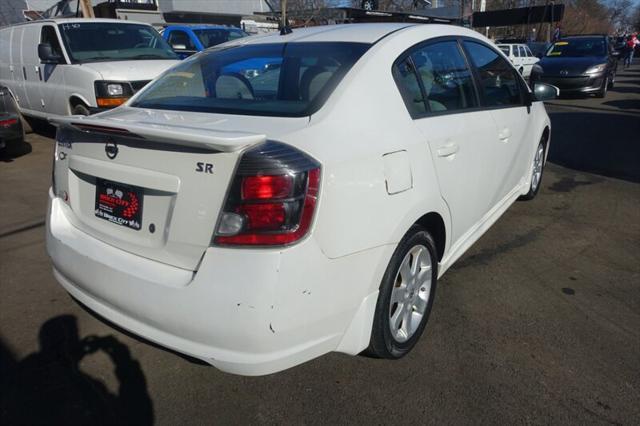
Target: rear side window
(444, 78)
(409, 87)
(498, 80)
(279, 79)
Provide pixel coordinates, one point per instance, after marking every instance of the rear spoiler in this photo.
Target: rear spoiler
(215, 140)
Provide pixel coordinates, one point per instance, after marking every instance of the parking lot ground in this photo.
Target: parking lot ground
(538, 323)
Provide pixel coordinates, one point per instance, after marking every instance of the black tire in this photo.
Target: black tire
(612, 80)
(80, 109)
(603, 90)
(521, 71)
(383, 344)
(534, 191)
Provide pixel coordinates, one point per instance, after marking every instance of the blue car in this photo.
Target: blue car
(189, 39)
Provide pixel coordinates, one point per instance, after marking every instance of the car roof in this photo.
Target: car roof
(356, 33)
(202, 27)
(79, 21)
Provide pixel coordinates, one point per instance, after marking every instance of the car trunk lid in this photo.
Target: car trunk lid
(153, 184)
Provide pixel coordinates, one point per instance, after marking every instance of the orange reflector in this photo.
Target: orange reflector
(111, 102)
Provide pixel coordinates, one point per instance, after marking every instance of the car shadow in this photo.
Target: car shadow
(624, 89)
(604, 143)
(49, 387)
(15, 150)
(624, 103)
(41, 127)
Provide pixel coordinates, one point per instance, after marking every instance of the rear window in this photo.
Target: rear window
(280, 79)
(213, 36)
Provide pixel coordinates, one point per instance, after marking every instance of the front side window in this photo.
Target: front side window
(108, 41)
(213, 36)
(279, 79)
(498, 79)
(49, 36)
(516, 52)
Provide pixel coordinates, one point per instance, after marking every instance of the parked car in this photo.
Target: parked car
(79, 66)
(580, 65)
(187, 40)
(11, 131)
(521, 57)
(256, 222)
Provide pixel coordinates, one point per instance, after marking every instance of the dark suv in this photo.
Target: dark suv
(580, 64)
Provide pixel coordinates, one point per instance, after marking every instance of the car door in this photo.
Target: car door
(502, 92)
(438, 88)
(30, 65)
(51, 76)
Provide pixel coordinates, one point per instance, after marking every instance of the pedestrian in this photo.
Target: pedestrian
(629, 47)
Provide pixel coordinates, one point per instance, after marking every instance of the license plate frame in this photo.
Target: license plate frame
(119, 203)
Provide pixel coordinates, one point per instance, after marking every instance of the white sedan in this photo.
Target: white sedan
(521, 57)
(257, 221)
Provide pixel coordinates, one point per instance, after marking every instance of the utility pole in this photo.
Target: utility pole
(87, 8)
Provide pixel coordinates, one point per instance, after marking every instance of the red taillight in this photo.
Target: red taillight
(264, 217)
(8, 123)
(266, 187)
(270, 209)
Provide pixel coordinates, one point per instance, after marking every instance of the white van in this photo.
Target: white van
(79, 66)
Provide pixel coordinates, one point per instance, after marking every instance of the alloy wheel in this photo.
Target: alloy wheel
(538, 162)
(410, 293)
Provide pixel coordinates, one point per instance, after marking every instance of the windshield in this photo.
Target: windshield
(109, 41)
(505, 49)
(280, 79)
(577, 48)
(213, 36)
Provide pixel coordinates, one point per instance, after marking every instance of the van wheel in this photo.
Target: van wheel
(521, 71)
(536, 173)
(81, 110)
(406, 296)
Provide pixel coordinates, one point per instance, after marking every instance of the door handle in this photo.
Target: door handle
(448, 150)
(505, 134)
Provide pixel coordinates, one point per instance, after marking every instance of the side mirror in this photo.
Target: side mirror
(46, 55)
(179, 47)
(545, 92)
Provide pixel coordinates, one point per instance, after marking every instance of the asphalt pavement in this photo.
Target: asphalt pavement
(538, 323)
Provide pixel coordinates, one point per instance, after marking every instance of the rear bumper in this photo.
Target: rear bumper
(248, 312)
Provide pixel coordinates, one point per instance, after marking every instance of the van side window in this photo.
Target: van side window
(447, 81)
(407, 81)
(48, 35)
(498, 79)
(180, 37)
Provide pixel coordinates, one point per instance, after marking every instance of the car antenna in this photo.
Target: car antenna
(284, 23)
